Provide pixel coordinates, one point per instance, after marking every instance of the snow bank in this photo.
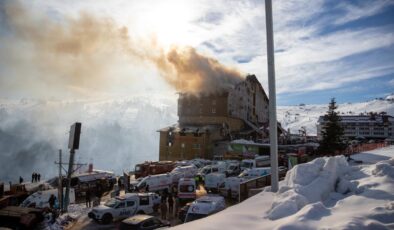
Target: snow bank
(384, 168)
(309, 183)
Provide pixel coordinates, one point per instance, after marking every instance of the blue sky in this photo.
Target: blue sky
(324, 49)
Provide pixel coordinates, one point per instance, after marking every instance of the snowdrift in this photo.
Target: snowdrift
(327, 193)
(308, 183)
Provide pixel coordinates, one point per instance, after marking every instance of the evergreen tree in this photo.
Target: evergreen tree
(332, 131)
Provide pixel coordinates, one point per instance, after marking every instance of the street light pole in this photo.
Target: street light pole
(273, 129)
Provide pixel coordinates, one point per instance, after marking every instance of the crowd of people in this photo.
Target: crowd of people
(169, 204)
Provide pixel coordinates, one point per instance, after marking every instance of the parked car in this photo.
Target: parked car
(205, 206)
(145, 222)
(124, 206)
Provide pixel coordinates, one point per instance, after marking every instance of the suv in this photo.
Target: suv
(124, 206)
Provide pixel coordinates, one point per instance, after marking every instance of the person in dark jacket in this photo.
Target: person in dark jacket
(51, 201)
(20, 180)
(88, 195)
(170, 204)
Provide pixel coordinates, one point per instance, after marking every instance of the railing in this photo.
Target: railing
(353, 149)
(259, 182)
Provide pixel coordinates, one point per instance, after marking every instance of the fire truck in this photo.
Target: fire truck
(153, 167)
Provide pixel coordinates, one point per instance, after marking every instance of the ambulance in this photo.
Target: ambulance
(187, 189)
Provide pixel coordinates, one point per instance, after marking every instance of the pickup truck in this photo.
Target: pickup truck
(125, 206)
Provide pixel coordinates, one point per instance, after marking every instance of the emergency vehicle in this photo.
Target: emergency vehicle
(213, 181)
(255, 172)
(179, 172)
(125, 206)
(155, 183)
(205, 206)
(260, 161)
(186, 189)
(153, 168)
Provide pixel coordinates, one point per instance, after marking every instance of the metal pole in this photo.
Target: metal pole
(60, 183)
(272, 97)
(69, 172)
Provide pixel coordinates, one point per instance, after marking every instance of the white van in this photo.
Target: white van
(213, 181)
(179, 172)
(230, 187)
(255, 172)
(260, 161)
(40, 199)
(187, 189)
(216, 168)
(155, 183)
(122, 207)
(205, 206)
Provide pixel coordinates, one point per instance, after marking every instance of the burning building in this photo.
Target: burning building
(205, 120)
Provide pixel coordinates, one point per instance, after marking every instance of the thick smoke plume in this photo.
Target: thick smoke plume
(87, 52)
(192, 72)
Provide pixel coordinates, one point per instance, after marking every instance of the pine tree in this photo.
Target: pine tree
(332, 131)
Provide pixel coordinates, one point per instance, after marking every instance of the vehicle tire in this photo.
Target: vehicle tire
(107, 218)
(140, 212)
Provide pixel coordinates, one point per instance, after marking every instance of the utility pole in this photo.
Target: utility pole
(60, 183)
(73, 144)
(273, 129)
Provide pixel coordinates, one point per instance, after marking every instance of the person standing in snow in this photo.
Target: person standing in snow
(87, 198)
(32, 177)
(163, 210)
(20, 180)
(38, 177)
(51, 201)
(170, 204)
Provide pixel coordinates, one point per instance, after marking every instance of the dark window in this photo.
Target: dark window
(144, 200)
(130, 203)
(121, 205)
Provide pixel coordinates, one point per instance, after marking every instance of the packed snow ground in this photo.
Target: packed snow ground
(327, 193)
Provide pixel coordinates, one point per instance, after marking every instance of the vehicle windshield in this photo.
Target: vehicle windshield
(205, 170)
(246, 164)
(112, 203)
(194, 216)
(232, 167)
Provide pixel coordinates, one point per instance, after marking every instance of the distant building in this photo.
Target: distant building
(372, 126)
(205, 121)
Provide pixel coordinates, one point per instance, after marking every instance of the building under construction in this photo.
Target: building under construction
(207, 120)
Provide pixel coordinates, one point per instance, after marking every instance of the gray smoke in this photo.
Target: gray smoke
(115, 134)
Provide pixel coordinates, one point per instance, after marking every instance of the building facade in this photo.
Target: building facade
(205, 120)
(373, 126)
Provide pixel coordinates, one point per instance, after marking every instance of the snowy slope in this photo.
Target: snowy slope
(324, 194)
(294, 117)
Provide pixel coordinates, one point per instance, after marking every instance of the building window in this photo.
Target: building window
(213, 110)
(196, 146)
(213, 102)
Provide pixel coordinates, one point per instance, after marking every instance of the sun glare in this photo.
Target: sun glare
(168, 21)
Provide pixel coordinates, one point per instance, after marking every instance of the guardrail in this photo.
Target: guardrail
(259, 182)
(353, 149)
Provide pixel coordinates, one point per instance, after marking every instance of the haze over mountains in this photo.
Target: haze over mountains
(119, 133)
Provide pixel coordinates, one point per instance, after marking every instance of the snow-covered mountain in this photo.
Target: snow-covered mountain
(116, 134)
(294, 117)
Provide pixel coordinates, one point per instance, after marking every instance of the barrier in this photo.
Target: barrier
(353, 149)
(259, 182)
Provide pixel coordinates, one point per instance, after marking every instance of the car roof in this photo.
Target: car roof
(136, 219)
